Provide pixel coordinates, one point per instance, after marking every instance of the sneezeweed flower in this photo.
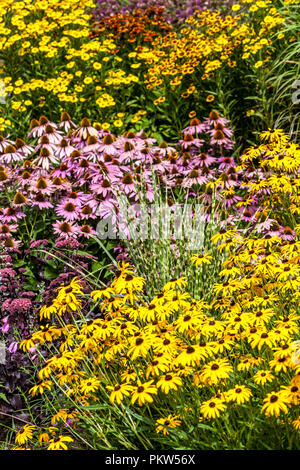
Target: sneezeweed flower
(143, 392)
(165, 424)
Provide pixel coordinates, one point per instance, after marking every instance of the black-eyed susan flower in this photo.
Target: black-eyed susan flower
(59, 443)
(274, 403)
(169, 382)
(143, 392)
(212, 408)
(165, 424)
(118, 392)
(216, 370)
(239, 394)
(40, 387)
(262, 377)
(25, 434)
(89, 385)
(198, 259)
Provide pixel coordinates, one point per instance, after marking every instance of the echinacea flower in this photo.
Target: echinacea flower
(45, 160)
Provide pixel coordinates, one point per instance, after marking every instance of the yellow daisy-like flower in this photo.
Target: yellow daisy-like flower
(164, 424)
(169, 382)
(198, 260)
(240, 394)
(274, 403)
(143, 392)
(212, 408)
(59, 443)
(262, 377)
(118, 392)
(25, 434)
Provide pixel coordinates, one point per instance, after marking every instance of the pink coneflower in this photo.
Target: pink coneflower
(219, 127)
(195, 127)
(248, 216)
(86, 231)
(95, 201)
(23, 148)
(63, 149)
(87, 212)
(149, 192)
(11, 245)
(68, 211)
(275, 229)
(127, 184)
(41, 201)
(63, 171)
(164, 149)
(42, 185)
(65, 122)
(6, 230)
(11, 214)
(4, 142)
(65, 229)
(92, 148)
(85, 130)
(143, 136)
(103, 188)
(228, 179)
(19, 200)
(38, 127)
(189, 141)
(53, 134)
(194, 177)
(128, 153)
(44, 142)
(108, 145)
(219, 138)
(205, 159)
(131, 138)
(287, 233)
(77, 197)
(11, 155)
(157, 163)
(46, 159)
(214, 119)
(108, 208)
(226, 162)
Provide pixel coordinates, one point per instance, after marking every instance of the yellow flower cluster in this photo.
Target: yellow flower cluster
(67, 65)
(210, 41)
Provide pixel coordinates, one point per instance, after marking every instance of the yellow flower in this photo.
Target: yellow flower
(212, 408)
(25, 434)
(118, 392)
(143, 392)
(58, 443)
(169, 382)
(164, 424)
(258, 64)
(274, 403)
